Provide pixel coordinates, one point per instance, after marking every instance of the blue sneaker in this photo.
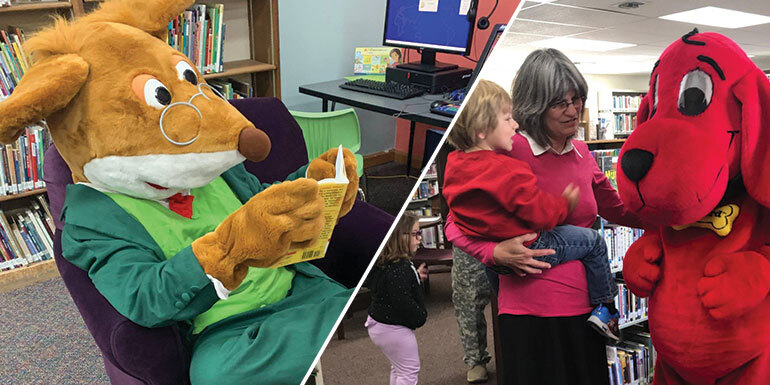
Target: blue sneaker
(604, 322)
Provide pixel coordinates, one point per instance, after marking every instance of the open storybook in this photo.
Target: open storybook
(332, 190)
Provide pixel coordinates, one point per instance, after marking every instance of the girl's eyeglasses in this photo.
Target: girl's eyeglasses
(416, 234)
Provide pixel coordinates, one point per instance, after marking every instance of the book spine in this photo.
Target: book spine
(26, 228)
(42, 233)
(26, 251)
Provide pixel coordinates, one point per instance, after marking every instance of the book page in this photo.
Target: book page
(333, 192)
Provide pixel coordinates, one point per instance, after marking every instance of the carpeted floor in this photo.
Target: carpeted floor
(356, 360)
(43, 340)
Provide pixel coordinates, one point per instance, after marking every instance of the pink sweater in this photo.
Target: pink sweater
(562, 290)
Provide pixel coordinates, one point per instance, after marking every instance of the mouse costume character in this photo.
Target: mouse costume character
(698, 168)
(163, 216)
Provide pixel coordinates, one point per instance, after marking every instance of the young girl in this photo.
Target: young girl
(397, 301)
(494, 196)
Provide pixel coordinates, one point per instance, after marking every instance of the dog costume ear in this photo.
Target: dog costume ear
(753, 92)
(151, 16)
(644, 110)
(47, 87)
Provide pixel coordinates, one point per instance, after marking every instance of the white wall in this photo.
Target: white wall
(318, 39)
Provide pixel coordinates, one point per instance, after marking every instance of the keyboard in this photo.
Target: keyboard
(449, 109)
(389, 90)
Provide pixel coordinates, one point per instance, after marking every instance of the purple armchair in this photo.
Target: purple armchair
(136, 355)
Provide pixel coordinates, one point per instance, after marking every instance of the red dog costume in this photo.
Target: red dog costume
(700, 156)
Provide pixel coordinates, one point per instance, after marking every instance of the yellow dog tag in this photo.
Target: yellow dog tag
(720, 220)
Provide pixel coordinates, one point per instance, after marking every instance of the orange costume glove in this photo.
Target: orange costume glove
(323, 167)
(261, 231)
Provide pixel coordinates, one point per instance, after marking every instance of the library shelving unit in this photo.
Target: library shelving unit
(255, 56)
(624, 107)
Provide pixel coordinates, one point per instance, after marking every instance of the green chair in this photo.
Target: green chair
(325, 130)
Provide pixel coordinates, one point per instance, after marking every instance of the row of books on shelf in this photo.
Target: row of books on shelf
(625, 124)
(608, 164)
(199, 33)
(13, 60)
(632, 361)
(626, 102)
(426, 189)
(618, 239)
(26, 235)
(432, 171)
(632, 308)
(21, 163)
(232, 88)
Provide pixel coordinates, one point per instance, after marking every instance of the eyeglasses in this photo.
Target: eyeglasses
(416, 234)
(561, 105)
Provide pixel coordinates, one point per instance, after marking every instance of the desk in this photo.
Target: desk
(415, 109)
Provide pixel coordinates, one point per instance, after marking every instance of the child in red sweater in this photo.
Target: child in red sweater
(494, 196)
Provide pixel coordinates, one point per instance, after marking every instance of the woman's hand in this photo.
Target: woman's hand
(423, 272)
(572, 194)
(512, 253)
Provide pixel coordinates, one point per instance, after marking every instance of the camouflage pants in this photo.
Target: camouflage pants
(470, 295)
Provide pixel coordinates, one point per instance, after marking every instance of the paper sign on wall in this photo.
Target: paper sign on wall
(428, 6)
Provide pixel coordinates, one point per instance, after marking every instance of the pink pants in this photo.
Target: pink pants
(400, 346)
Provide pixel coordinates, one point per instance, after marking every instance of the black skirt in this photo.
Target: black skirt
(551, 351)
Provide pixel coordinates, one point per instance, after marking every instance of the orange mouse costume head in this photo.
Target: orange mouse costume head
(127, 112)
(702, 127)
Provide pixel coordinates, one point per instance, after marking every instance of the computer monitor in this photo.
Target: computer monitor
(494, 36)
(433, 26)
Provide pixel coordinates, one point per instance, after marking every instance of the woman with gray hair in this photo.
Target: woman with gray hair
(543, 311)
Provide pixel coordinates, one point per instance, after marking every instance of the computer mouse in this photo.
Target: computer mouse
(437, 103)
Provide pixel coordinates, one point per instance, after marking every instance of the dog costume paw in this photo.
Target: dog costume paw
(733, 284)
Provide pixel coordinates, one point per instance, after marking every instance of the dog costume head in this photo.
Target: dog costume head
(127, 112)
(702, 128)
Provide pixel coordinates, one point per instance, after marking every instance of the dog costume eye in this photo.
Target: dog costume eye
(156, 94)
(695, 93)
(185, 72)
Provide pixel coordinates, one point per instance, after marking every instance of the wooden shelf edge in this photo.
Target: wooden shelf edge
(4, 198)
(241, 67)
(604, 141)
(36, 6)
(28, 275)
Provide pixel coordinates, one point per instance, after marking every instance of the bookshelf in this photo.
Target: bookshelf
(425, 204)
(624, 107)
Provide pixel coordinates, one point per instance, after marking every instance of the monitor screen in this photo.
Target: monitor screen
(441, 26)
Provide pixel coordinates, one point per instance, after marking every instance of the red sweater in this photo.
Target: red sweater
(496, 197)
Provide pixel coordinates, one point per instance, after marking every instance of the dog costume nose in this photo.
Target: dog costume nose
(636, 163)
(254, 144)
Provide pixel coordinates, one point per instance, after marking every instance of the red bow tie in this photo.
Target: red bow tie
(181, 204)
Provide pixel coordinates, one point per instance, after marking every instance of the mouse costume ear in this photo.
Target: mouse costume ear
(151, 16)
(753, 92)
(47, 87)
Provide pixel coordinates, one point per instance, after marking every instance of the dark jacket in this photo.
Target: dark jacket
(397, 295)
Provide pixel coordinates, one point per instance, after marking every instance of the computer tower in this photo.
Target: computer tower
(433, 82)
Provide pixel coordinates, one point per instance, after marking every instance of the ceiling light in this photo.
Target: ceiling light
(571, 43)
(718, 17)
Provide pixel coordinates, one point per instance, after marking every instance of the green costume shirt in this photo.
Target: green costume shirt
(139, 277)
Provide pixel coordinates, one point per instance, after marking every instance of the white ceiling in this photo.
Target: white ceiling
(604, 20)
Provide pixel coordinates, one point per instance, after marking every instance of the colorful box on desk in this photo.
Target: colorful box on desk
(374, 60)
(434, 82)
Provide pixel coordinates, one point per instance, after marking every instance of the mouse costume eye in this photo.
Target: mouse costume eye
(151, 91)
(156, 94)
(695, 93)
(185, 72)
